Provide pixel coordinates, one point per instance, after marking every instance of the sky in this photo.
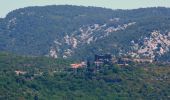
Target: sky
(8, 5)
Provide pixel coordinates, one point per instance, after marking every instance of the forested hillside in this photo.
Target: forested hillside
(85, 53)
(80, 32)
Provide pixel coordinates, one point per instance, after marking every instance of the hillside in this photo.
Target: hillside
(80, 32)
(28, 78)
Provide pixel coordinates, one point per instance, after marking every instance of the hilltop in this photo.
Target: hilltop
(76, 32)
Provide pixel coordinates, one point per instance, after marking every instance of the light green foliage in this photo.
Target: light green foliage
(59, 82)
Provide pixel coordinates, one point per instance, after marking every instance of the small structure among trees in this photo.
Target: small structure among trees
(103, 59)
(78, 65)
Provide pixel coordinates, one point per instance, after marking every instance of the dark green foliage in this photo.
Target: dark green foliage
(33, 33)
(36, 28)
(49, 79)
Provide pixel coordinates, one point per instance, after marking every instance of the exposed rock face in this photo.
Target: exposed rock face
(88, 34)
(80, 32)
(67, 53)
(155, 45)
(53, 53)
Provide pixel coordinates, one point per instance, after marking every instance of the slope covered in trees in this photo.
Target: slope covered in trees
(75, 31)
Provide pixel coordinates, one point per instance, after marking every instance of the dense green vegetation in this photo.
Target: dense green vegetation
(32, 31)
(38, 27)
(49, 79)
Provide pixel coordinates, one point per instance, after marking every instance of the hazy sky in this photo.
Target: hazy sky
(9, 5)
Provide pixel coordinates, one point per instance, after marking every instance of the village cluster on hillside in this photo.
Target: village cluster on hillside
(108, 59)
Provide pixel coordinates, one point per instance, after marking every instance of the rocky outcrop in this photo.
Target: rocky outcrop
(88, 34)
(155, 45)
